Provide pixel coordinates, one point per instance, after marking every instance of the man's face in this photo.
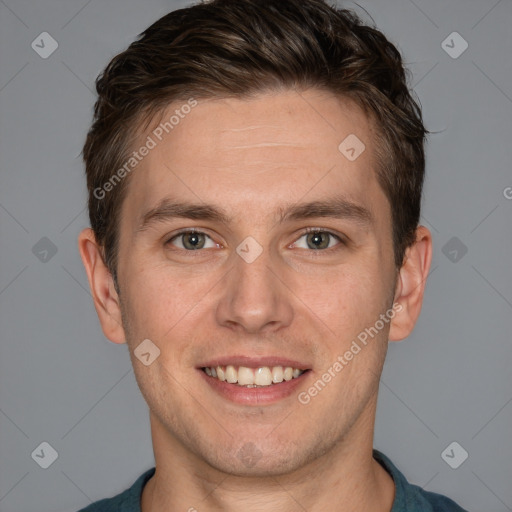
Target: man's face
(255, 289)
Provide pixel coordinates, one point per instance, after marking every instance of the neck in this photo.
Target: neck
(347, 475)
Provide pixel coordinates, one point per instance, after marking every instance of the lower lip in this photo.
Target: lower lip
(254, 396)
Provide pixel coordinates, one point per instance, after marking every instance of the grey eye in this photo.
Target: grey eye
(191, 240)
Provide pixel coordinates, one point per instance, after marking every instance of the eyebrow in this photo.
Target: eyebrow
(336, 207)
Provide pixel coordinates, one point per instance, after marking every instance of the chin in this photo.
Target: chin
(263, 458)
(256, 465)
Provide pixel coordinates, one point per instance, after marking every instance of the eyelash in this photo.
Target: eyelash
(307, 231)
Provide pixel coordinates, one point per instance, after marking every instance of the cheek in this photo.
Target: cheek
(160, 296)
(348, 300)
(167, 309)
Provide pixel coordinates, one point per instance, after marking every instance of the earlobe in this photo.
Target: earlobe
(106, 300)
(411, 284)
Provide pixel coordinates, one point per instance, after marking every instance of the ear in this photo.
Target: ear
(410, 285)
(101, 283)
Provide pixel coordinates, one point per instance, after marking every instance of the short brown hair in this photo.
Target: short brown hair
(238, 48)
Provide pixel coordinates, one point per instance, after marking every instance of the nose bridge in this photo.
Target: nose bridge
(254, 269)
(254, 298)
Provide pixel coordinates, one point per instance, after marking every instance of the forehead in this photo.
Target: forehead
(249, 154)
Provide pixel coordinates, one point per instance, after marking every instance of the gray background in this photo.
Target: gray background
(63, 383)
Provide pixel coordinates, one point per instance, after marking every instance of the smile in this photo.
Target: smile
(263, 376)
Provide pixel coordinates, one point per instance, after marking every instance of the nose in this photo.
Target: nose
(254, 297)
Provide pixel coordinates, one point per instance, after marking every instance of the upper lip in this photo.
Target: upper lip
(254, 362)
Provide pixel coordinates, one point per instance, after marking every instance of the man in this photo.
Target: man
(254, 173)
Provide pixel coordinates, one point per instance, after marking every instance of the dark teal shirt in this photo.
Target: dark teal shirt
(408, 498)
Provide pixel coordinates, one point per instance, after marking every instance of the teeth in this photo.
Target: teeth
(231, 374)
(277, 374)
(245, 376)
(253, 377)
(263, 376)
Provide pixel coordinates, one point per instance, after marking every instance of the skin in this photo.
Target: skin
(250, 157)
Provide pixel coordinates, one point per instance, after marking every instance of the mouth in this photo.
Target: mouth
(260, 377)
(254, 381)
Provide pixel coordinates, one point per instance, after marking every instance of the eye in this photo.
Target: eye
(191, 240)
(315, 239)
(318, 239)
